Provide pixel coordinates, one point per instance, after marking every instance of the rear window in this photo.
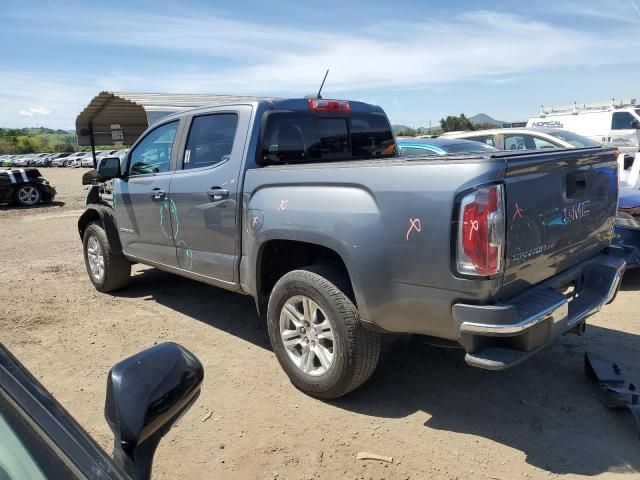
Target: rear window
(300, 137)
(574, 139)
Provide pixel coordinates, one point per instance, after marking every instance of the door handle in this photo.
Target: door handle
(157, 194)
(217, 194)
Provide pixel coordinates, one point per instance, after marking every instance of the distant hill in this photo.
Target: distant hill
(399, 128)
(483, 118)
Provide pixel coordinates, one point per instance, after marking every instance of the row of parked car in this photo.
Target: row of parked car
(66, 159)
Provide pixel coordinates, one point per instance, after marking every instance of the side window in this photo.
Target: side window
(540, 144)
(487, 139)
(210, 140)
(514, 142)
(623, 121)
(153, 153)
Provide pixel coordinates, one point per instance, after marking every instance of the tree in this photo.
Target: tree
(63, 147)
(485, 126)
(451, 124)
(408, 132)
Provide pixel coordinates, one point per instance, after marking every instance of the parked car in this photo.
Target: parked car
(75, 159)
(60, 159)
(8, 162)
(526, 138)
(46, 161)
(146, 394)
(22, 160)
(408, 146)
(304, 205)
(25, 187)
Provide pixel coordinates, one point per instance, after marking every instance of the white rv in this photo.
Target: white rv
(615, 124)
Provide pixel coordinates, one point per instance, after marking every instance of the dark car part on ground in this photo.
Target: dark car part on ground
(25, 187)
(609, 386)
(146, 394)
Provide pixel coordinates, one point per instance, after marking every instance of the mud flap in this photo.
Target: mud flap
(609, 386)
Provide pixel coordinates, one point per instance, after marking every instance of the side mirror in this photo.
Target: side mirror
(146, 394)
(635, 124)
(109, 167)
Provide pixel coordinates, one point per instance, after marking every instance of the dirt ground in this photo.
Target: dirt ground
(437, 417)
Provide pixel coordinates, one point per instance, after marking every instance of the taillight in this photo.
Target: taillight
(320, 105)
(481, 234)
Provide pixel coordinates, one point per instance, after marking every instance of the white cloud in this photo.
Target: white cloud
(24, 94)
(30, 112)
(621, 11)
(228, 56)
(263, 58)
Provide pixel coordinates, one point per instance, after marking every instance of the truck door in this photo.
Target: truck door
(625, 132)
(205, 191)
(141, 199)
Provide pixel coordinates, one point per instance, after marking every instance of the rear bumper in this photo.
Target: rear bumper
(500, 336)
(48, 192)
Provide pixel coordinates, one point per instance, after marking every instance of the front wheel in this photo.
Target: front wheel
(316, 333)
(28, 195)
(108, 270)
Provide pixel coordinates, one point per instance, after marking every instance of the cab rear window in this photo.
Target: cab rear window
(300, 137)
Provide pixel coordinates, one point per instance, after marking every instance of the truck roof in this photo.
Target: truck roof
(288, 104)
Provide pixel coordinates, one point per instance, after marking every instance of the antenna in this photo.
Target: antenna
(319, 96)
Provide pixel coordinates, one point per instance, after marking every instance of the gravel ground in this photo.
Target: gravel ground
(437, 417)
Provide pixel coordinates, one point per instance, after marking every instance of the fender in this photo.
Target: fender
(106, 216)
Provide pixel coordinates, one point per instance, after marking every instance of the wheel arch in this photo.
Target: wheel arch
(277, 256)
(103, 215)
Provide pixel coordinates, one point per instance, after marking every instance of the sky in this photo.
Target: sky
(419, 60)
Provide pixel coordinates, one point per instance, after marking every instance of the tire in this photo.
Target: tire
(27, 195)
(116, 269)
(354, 350)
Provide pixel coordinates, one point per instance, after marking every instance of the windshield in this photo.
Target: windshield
(574, 139)
(301, 137)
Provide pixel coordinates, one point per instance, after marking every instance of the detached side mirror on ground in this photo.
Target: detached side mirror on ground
(109, 167)
(146, 394)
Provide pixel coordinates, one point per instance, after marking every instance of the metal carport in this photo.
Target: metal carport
(119, 118)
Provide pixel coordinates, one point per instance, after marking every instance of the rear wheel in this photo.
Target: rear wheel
(108, 270)
(27, 195)
(316, 333)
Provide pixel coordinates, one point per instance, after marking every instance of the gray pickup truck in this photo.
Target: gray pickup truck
(304, 205)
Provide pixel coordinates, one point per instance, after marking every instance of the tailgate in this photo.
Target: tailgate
(560, 209)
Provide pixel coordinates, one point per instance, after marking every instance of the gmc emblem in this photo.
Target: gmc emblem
(577, 211)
